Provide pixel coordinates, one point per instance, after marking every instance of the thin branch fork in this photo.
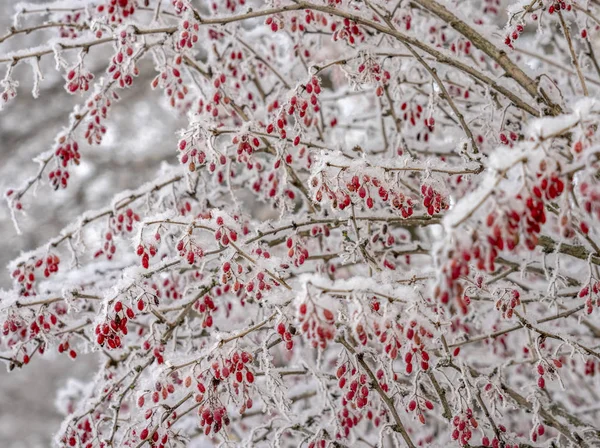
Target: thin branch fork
(398, 427)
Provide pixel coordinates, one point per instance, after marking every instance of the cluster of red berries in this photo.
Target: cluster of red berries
(505, 234)
(179, 6)
(145, 252)
(514, 35)
(397, 200)
(355, 402)
(357, 390)
(544, 368)
(508, 302)
(82, 435)
(389, 334)
(461, 46)
(492, 7)
(16, 327)
(10, 90)
(66, 347)
(205, 308)
(412, 112)
(120, 224)
(286, 333)
(590, 199)
(449, 287)
(349, 32)
(259, 285)
(189, 249)
(78, 79)
(237, 365)
(70, 32)
(459, 92)
(189, 35)
(124, 221)
(592, 292)
(191, 156)
(145, 434)
(537, 431)
(508, 138)
(223, 234)
(98, 110)
(246, 145)
(297, 104)
(170, 80)
(418, 405)
(495, 443)
(297, 251)
(212, 107)
(385, 237)
(310, 18)
(67, 152)
(558, 5)
(161, 391)
(433, 201)
(122, 67)
(24, 274)
(590, 367)
(117, 10)
(370, 71)
(43, 323)
(414, 355)
(464, 424)
(256, 286)
(320, 443)
(109, 331)
(213, 418)
(317, 326)
(269, 182)
(108, 248)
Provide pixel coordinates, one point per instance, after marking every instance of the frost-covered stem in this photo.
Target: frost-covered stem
(398, 427)
(109, 211)
(525, 404)
(440, 85)
(547, 334)
(85, 46)
(220, 131)
(183, 314)
(253, 261)
(416, 221)
(441, 393)
(439, 56)
(248, 330)
(295, 180)
(549, 246)
(518, 327)
(168, 412)
(487, 414)
(548, 418)
(256, 54)
(453, 172)
(122, 395)
(550, 62)
(574, 59)
(446, 96)
(510, 68)
(78, 119)
(16, 31)
(20, 304)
